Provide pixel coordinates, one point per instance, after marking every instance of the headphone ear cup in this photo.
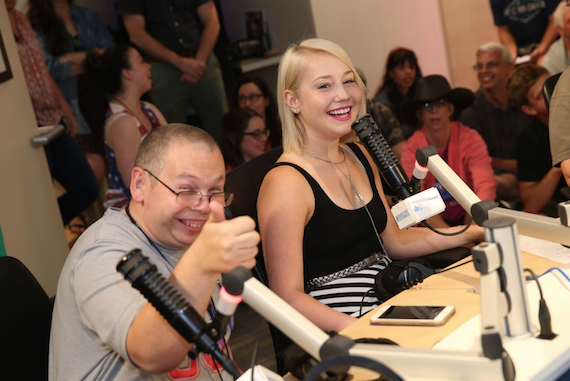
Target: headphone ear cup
(385, 285)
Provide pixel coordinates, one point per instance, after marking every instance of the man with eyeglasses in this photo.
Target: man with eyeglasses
(103, 328)
(494, 116)
(434, 104)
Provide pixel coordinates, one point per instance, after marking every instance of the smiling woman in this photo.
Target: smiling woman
(322, 211)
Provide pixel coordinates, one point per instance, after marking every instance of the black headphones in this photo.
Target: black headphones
(400, 276)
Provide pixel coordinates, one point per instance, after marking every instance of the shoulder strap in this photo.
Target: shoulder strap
(150, 114)
(298, 168)
(117, 115)
(312, 182)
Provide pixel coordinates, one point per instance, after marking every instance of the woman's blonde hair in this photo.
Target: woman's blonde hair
(293, 64)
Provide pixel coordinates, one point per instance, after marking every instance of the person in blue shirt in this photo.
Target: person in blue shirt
(525, 27)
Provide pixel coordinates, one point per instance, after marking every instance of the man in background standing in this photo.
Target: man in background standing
(525, 27)
(178, 37)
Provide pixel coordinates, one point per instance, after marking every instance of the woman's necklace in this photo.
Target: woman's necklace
(326, 160)
(355, 192)
(131, 112)
(124, 105)
(358, 200)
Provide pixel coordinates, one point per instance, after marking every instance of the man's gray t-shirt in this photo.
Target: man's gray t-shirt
(95, 307)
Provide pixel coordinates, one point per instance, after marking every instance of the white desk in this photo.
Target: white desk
(534, 359)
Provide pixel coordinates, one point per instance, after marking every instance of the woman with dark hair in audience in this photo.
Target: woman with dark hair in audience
(399, 82)
(66, 33)
(254, 93)
(244, 136)
(124, 77)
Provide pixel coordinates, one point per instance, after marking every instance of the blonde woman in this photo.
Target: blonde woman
(323, 218)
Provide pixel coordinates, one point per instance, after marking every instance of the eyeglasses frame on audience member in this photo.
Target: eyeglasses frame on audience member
(251, 98)
(187, 197)
(437, 103)
(257, 134)
(489, 65)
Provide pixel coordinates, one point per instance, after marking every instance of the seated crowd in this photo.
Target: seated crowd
(165, 182)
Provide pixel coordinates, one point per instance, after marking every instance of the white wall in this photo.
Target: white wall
(468, 24)
(29, 214)
(369, 30)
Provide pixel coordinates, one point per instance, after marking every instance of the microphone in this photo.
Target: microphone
(410, 207)
(390, 168)
(145, 277)
(418, 175)
(225, 308)
(288, 320)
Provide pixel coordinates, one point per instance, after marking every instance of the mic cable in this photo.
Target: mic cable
(144, 276)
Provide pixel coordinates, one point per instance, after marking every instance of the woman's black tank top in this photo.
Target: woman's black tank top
(336, 238)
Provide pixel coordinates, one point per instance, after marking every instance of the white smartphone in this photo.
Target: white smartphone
(413, 315)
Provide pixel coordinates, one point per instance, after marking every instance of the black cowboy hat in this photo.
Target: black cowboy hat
(434, 88)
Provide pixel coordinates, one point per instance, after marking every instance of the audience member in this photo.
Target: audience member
(399, 82)
(105, 325)
(125, 77)
(460, 146)
(322, 211)
(496, 119)
(244, 137)
(178, 39)
(254, 93)
(558, 57)
(525, 28)
(539, 181)
(67, 163)
(66, 32)
(386, 121)
(558, 126)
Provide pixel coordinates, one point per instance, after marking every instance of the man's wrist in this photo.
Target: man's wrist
(177, 60)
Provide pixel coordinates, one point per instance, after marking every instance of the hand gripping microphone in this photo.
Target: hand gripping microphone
(145, 277)
(390, 168)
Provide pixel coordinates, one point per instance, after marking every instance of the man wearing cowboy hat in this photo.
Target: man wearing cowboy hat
(495, 117)
(434, 105)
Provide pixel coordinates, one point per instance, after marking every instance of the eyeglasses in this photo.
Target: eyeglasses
(258, 134)
(489, 65)
(432, 104)
(251, 98)
(193, 198)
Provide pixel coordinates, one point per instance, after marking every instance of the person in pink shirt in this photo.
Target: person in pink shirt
(434, 105)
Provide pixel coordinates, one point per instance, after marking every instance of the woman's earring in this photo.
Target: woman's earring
(296, 111)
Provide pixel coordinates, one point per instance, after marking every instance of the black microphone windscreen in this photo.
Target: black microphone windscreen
(390, 168)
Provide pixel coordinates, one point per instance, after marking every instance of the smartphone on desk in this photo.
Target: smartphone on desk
(412, 315)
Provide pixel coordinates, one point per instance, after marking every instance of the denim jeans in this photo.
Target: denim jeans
(69, 166)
